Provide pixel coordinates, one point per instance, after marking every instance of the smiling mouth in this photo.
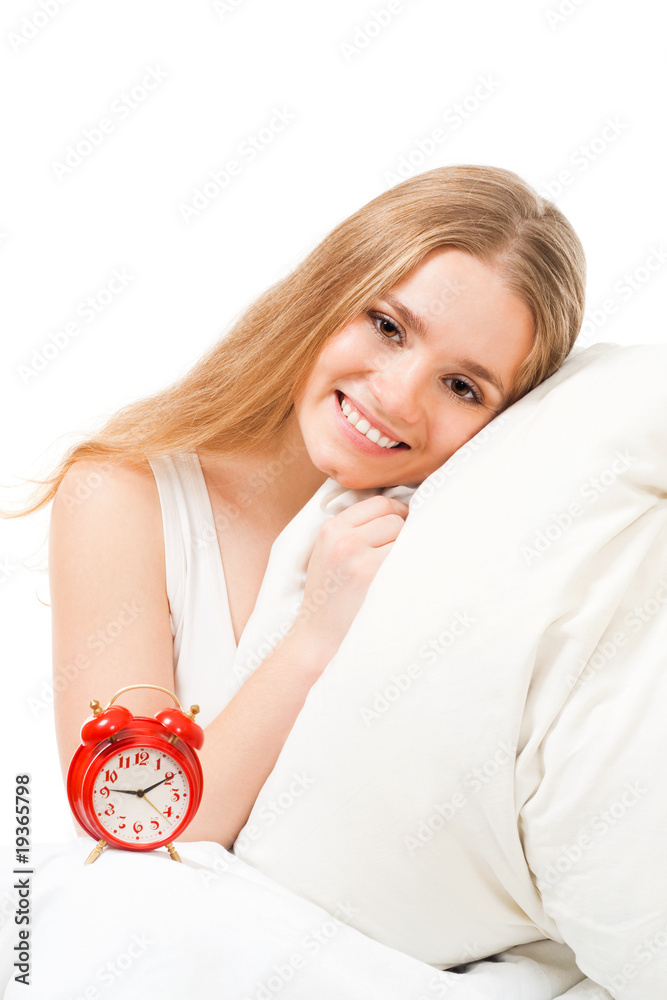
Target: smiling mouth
(381, 439)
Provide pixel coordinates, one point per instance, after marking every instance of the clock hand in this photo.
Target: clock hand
(151, 787)
(140, 791)
(145, 797)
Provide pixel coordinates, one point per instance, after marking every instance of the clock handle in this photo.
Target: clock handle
(178, 723)
(132, 687)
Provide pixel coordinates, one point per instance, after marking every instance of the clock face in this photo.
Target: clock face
(140, 795)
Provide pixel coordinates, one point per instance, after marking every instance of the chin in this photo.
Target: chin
(340, 475)
(352, 479)
(359, 481)
(351, 482)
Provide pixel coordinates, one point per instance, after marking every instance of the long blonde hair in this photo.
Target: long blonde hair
(239, 396)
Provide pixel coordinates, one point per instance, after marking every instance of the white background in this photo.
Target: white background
(361, 97)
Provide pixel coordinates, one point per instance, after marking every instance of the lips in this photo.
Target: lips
(385, 431)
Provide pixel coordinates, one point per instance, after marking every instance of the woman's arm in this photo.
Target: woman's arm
(109, 608)
(244, 741)
(111, 628)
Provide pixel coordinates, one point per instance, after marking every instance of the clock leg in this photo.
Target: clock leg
(96, 851)
(172, 852)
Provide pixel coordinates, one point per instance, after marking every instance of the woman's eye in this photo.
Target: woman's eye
(386, 328)
(461, 388)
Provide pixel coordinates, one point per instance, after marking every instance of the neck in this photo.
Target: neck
(273, 484)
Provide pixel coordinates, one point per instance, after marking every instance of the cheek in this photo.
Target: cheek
(453, 431)
(341, 348)
(318, 383)
(343, 354)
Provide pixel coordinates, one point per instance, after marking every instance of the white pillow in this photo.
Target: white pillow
(483, 761)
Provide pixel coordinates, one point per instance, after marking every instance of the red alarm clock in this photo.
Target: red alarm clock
(136, 782)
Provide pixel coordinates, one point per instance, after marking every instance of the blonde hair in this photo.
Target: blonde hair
(239, 396)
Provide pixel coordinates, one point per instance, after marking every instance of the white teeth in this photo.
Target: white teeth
(366, 428)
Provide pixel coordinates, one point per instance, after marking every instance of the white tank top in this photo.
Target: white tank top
(209, 668)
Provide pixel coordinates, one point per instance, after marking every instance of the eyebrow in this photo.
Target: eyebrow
(417, 324)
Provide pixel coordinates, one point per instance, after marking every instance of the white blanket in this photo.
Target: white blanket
(136, 926)
(481, 765)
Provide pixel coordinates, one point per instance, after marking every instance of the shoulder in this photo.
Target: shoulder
(89, 478)
(111, 504)
(102, 486)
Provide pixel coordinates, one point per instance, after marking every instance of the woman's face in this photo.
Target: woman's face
(431, 390)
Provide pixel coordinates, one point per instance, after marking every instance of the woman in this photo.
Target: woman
(493, 271)
(412, 325)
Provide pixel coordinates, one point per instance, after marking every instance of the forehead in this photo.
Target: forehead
(447, 273)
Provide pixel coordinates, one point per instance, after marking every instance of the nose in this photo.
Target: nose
(400, 391)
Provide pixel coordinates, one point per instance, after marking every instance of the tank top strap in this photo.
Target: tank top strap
(204, 645)
(173, 478)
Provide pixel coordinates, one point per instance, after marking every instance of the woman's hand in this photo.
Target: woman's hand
(348, 552)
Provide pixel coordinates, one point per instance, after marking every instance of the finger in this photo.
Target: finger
(367, 510)
(381, 530)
